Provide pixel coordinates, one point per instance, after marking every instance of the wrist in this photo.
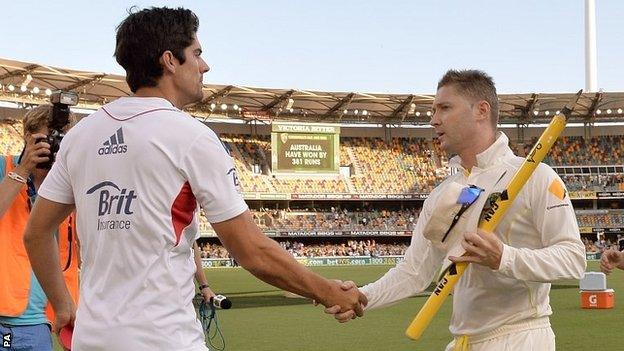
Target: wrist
(327, 294)
(22, 171)
(203, 286)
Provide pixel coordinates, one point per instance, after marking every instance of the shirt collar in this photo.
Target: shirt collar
(129, 106)
(493, 155)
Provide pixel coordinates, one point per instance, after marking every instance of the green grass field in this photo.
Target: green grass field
(262, 319)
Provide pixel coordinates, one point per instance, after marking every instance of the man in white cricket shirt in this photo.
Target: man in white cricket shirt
(501, 302)
(135, 171)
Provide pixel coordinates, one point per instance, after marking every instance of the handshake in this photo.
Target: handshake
(348, 304)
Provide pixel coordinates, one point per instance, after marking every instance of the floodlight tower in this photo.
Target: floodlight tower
(591, 84)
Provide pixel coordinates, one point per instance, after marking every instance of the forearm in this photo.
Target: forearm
(560, 261)
(44, 259)
(273, 265)
(265, 259)
(42, 248)
(200, 277)
(409, 277)
(9, 189)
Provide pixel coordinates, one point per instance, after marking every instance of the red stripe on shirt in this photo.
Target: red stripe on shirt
(182, 210)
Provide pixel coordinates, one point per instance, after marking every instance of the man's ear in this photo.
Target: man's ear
(168, 62)
(482, 110)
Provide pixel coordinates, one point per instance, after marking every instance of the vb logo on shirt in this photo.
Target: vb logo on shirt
(113, 200)
(114, 145)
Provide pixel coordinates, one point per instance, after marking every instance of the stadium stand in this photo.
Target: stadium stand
(396, 166)
(339, 220)
(11, 142)
(299, 249)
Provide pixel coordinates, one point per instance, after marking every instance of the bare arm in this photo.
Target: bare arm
(200, 277)
(265, 259)
(34, 154)
(42, 250)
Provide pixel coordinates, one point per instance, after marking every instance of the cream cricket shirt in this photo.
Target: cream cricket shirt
(136, 170)
(541, 244)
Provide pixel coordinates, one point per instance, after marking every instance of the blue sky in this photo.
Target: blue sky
(363, 46)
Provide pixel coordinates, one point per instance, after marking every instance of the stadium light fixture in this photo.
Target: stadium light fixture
(428, 113)
(213, 106)
(235, 107)
(344, 112)
(558, 111)
(609, 111)
(27, 80)
(36, 90)
(598, 111)
(48, 92)
(535, 113)
(23, 88)
(619, 110)
(417, 113)
(547, 113)
(11, 87)
(291, 110)
(224, 107)
(364, 113)
(355, 112)
(8, 104)
(84, 111)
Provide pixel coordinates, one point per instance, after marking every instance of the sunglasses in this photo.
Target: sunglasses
(466, 198)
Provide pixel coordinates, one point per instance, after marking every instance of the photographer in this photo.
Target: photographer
(24, 316)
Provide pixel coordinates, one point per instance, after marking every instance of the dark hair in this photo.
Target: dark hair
(476, 85)
(143, 36)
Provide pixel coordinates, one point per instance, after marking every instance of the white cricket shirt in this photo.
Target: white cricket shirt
(136, 170)
(541, 244)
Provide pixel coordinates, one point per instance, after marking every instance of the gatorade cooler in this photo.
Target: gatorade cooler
(594, 292)
(602, 299)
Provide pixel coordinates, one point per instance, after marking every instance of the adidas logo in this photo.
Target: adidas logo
(114, 145)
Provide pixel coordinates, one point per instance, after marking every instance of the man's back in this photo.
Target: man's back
(133, 170)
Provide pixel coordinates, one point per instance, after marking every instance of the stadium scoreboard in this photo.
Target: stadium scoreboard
(305, 148)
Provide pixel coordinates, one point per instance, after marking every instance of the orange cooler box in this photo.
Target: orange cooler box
(598, 298)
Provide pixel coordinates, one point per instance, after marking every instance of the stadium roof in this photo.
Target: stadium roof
(97, 88)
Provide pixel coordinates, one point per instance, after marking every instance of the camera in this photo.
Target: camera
(61, 100)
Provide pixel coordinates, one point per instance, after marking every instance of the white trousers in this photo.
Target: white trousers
(534, 335)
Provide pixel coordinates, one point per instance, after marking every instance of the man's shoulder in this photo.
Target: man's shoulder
(542, 169)
(440, 188)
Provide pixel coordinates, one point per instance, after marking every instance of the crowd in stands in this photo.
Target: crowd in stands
(209, 250)
(577, 150)
(402, 165)
(297, 249)
(336, 219)
(372, 249)
(603, 244)
(11, 142)
(350, 248)
(607, 182)
(380, 219)
(396, 166)
(411, 165)
(601, 219)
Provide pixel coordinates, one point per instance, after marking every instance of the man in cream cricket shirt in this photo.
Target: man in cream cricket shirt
(501, 302)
